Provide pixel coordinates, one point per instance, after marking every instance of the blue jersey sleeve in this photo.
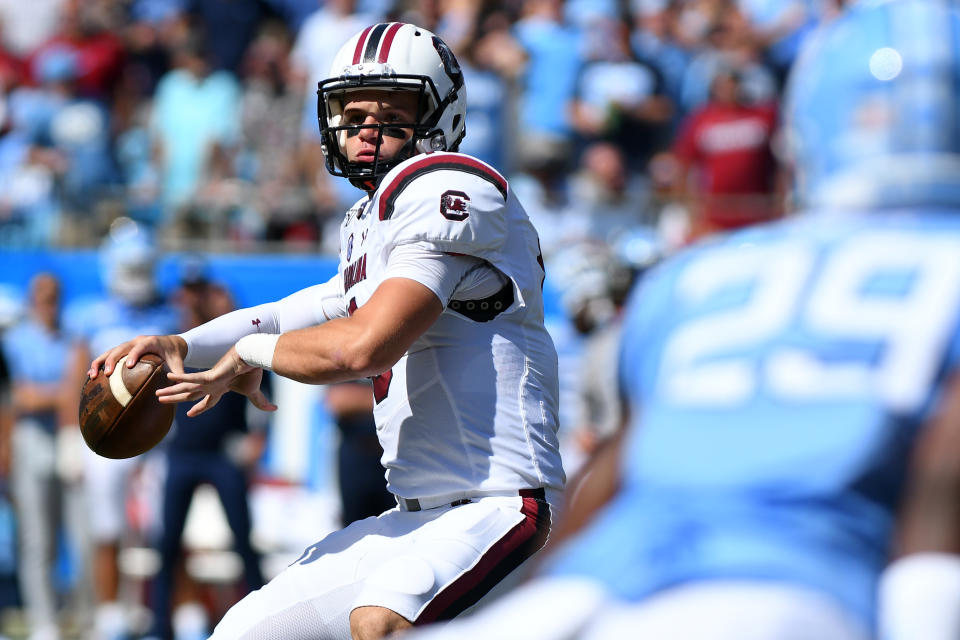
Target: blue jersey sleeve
(643, 319)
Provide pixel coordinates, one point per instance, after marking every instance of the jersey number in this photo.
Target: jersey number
(719, 359)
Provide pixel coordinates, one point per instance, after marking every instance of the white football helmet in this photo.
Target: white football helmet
(401, 57)
(128, 261)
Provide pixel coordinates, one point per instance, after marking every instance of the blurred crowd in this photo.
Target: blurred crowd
(197, 118)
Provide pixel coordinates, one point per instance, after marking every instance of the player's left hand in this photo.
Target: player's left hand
(229, 374)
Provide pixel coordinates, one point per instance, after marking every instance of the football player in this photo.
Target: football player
(792, 469)
(134, 305)
(437, 299)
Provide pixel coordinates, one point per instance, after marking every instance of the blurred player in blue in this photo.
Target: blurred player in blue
(792, 468)
(134, 305)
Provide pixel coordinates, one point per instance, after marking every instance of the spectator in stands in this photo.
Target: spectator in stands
(490, 59)
(194, 124)
(13, 70)
(87, 30)
(607, 199)
(228, 27)
(542, 183)
(313, 51)
(27, 25)
(728, 43)
(654, 40)
(148, 37)
(42, 360)
(28, 210)
(9, 570)
(620, 98)
(221, 447)
(727, 173)
(138, 172)
(269, 163)
(779, 28)
(69, 136)
(554, 55)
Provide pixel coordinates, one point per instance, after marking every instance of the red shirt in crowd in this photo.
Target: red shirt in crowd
(727, 146)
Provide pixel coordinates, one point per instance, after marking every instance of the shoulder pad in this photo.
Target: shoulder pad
(456, 165)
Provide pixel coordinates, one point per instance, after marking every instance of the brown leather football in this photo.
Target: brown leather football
(120, 416)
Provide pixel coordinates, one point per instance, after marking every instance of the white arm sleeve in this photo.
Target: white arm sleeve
(449, 276)
(305, 308)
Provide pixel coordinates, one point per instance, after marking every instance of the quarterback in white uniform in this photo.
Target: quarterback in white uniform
(438, 299)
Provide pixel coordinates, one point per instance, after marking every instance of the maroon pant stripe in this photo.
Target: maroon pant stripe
(504, 556)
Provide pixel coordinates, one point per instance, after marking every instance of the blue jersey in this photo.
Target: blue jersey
(778, 378)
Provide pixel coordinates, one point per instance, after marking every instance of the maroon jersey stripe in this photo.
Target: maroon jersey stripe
(388, 41)
(358, 51)
(435, 163)
(504, 556)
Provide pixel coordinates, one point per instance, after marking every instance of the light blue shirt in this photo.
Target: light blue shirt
(189, 116)
(36, 355)
(555, 57)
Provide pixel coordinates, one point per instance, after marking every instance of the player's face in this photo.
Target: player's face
(378, 107)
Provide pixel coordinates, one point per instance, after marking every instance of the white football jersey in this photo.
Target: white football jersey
(472, 406)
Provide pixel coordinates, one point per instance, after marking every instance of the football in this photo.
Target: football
(120, 416)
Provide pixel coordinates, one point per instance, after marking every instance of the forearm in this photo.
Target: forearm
(929, 520)
(594, 486)
(209, 341)
(305, 308)
(332, 352)
(365, 344)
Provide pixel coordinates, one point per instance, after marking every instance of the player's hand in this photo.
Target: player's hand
(171, 348)
(229, 374)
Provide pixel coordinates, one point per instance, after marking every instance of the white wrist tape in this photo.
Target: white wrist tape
(920, 598)
(257, 349)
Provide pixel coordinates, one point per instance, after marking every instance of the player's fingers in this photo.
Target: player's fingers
(185, 396)
(198, 408)
(136, 351)
(175, 363)
(208, 402)
(96, 364)
(180, 388)
(113, 357)
(260, 401)
(197, 377)
(182, 392)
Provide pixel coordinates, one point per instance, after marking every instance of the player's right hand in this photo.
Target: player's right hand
(171, 348)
